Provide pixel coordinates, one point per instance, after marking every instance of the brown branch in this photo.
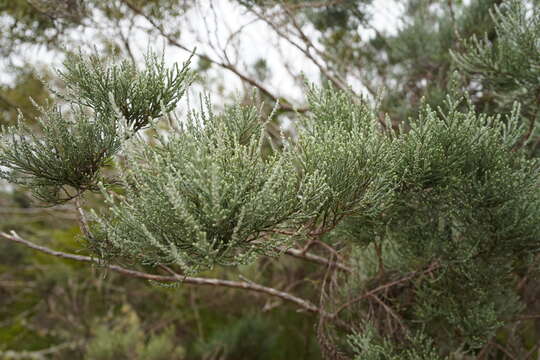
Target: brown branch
(81, 218)
(504, 350)
(378, 252)
(337, 79)
(337, 82)
(392, 313)
(315, 258)
(174, 278)
(303, 254)
(433, 266)
(39, 354)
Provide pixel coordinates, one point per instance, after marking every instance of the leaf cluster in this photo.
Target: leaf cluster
(509, 66)
(341, 140)
(139, 96)
(463, 199)
(207, 194)
(369, 346)
(62, 157)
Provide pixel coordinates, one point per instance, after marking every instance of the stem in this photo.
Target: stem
(249, 286)
(378, 251)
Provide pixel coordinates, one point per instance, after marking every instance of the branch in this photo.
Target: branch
(174, 278)
(315, 258)
(37, 355)
(433, 266)
(335, 78)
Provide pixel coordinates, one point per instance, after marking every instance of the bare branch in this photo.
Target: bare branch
(174, 278)
(315, 258)
(433, 266)
(40, 354)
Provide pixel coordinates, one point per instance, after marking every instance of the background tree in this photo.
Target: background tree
(416, 220)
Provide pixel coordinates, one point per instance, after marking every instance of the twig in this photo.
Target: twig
(378, 252)
(337, 82)
(392, 313)
(175, 278)
(315, 258)
(313, 4)
(504, 350)
(37, 355)
(83, 224)
(433, 266)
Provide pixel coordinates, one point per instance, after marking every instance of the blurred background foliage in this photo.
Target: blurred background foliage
(57, 309)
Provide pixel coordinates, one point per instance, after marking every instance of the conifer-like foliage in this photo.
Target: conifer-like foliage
(65, 158)
(140, 96)
(206, 194)
(426, 225)
(210, 195)
(509, 67)
(108, 104)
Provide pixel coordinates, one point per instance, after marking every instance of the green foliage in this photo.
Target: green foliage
(140, 96)
(251, 337)
(368, 346)
(467, 202)
(67, 152)
(64, 158)
(130, 344)
(414, 62)
(509, 66)
(205, 195)
(462, 188)
(341, 141)
(436, 212)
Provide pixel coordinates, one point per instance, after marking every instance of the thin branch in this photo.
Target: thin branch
(39, 354)
(174, 278)
(83, 223)
(433, 266)
(337, 78)
(392, 313)
(378, 252)
(337, 82)
(315, 258)
(504, 350)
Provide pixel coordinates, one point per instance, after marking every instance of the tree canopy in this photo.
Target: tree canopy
(390, 212)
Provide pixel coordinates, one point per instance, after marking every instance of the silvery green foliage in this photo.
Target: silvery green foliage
(510, 65)
(207, 195)
(466, 200)
(63, 157)
(341, 141)
(368, 346)
(140, 96)
(463, 188)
